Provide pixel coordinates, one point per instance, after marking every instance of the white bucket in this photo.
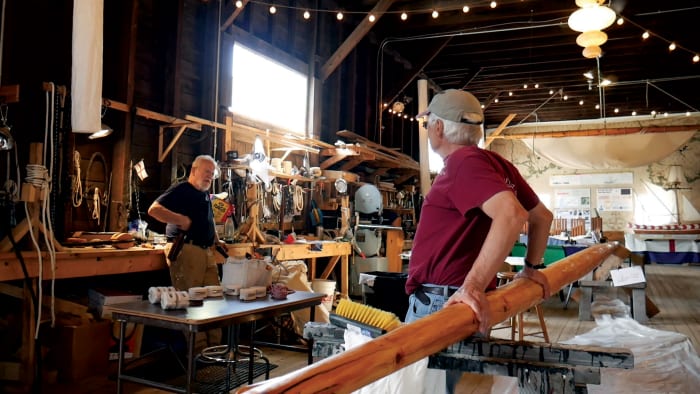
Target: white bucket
(326, 287)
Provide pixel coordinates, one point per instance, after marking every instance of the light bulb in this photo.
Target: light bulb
(597, 106)
(404, 16)
(493, 4)
(372, 18)
(620, 21)
(435, 14)
(239, 4)
(616, 110)
(580, 102)
(339, 16)
(696, 58)
(634, 113)
(307, 15)
(645, 35)
(672, 46)
(273, 9)
(465, 9)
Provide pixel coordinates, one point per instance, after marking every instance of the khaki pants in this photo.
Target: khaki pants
(195, 267)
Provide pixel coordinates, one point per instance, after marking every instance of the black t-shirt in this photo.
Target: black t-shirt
(185, 199)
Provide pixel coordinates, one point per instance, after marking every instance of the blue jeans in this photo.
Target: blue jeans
(416, 310)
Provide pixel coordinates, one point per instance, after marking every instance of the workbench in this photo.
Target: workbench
(87, 262)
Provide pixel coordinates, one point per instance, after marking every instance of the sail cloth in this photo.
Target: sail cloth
(609, 152)
(589, 148)
(86, 74)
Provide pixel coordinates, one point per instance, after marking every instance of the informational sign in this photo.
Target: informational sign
(614, 199)
(572, 198)
(627, 276)
(612, 178)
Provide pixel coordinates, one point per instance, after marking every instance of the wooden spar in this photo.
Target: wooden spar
(362, 365)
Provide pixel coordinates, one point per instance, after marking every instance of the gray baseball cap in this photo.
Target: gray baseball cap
(457, 106)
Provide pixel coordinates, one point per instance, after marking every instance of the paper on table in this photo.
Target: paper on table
(627, 276)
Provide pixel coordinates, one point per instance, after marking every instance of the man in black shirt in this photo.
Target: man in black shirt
(186, 208)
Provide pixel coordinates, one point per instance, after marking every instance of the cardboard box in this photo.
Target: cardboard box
(97, 298)
(81, 350)
(132, 340)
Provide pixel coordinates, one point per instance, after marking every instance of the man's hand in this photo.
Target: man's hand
(537, 277)
(476, 299)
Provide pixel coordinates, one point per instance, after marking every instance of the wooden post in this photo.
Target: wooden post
(359, 366)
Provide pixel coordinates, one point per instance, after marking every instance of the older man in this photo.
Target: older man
(470, 219)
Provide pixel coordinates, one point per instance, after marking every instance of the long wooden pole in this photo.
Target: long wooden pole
(360, 366)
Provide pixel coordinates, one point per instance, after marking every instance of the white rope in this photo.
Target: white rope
(96, 205)
(298, 199)
(76, 184)
(276, 196)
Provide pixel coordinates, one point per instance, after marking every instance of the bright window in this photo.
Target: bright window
(267, 91)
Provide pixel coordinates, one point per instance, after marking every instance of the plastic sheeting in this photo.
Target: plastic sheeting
(603, 152)
(664, 361)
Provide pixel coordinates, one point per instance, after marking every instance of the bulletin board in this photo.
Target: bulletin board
(572, 203)
(614, 199)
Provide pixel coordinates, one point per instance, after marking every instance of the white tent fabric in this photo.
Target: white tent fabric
(603, 152)
(86, 74)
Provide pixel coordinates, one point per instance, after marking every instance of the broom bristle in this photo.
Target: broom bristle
(367, 315)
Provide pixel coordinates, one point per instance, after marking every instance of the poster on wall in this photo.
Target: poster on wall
(572, 204)
(572, 198)
(614, 199)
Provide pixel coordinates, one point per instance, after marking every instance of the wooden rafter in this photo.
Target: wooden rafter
(498, 130)
(356, 36)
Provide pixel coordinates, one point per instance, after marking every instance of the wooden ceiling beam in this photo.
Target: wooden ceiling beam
(599, 132)
(356, 36)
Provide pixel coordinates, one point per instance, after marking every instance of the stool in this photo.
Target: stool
(517, 321)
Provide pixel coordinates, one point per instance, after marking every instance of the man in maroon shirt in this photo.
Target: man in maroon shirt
(470, 219)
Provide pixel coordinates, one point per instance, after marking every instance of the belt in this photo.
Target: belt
(192, 242)
(445, 291)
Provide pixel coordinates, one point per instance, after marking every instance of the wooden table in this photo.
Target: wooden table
(215, 313)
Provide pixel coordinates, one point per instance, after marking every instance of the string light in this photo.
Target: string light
(404, 16)
(435, 14)
(493, 4)
(307, 14)
(672, 45)
(372, 18)
(339, 16)
(465, 9)
(239, 4)
(273, 10)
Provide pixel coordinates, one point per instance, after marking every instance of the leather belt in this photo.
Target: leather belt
(191, 242)
(445, 291)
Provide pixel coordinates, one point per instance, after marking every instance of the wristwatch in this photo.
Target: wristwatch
(530, 265)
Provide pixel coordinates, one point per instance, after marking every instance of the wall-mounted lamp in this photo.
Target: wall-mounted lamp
(105, 131)
(6, 140)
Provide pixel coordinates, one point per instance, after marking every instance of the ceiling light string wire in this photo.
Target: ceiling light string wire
(649, 83)
(498, 28)
(651, 33)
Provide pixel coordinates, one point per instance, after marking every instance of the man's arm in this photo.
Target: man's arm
(163, 214)
(538, 224)
(539, 221)
(507, 219)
